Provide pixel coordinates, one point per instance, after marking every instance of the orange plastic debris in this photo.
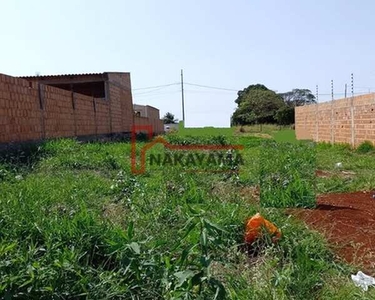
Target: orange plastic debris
(254, 226)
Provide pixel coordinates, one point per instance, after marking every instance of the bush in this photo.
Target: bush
(194, 140)
(285, 115)
(287, 175)
(365, 147)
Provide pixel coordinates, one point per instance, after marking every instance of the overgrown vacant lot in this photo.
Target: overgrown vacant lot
(75, 223)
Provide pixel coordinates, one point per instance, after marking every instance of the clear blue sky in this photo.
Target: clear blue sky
(230, 44)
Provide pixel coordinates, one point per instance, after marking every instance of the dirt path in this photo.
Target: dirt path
(348, 222)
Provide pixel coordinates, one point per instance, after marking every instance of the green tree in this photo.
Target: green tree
(285, 115)
(257, 106)
(242, 94)
(169, 118)
(298, 97)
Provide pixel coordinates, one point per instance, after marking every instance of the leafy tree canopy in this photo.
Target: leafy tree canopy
(242, 94)
(257, 106)
(285, 115)
(169, 118)
(298, 97)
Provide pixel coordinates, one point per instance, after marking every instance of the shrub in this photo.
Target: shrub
(365, 147)
(285, 115)
(287, 175)
(142, 136)
(194, 140)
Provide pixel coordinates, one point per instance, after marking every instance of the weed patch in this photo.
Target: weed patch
(365, 147)
(78, 225)
(287, 175)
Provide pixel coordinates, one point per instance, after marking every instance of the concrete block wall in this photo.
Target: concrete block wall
(349, 120)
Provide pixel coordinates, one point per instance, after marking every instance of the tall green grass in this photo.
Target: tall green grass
(287, 175)
(78, 225)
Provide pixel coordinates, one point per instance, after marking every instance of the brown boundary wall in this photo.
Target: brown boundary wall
(30, 111)
(349, 120)
(152, 118)
(157, 124)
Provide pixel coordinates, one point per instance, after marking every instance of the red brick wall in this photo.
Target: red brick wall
(63, 113)
(154, 117)
(121, 104)
(20, 117)
(157, 124)
(84, 109)
(58, 112)
(102, 116)
(141, 121)
(350, 120)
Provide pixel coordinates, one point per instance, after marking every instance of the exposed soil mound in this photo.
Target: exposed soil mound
(348, 222)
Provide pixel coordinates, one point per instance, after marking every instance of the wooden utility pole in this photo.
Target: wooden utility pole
(183, 96)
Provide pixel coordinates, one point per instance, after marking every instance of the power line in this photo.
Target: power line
(155, 94)
(148, 92)
(158, 92)
(214, 92)
(157, 86)
(211, 87)
(319, 94)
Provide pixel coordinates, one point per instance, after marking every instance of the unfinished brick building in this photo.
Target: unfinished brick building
(148, 115)
(81, 105)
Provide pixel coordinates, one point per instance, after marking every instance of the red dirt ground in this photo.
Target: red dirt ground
(348, 222)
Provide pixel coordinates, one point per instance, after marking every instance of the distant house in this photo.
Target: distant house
(148, 115)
